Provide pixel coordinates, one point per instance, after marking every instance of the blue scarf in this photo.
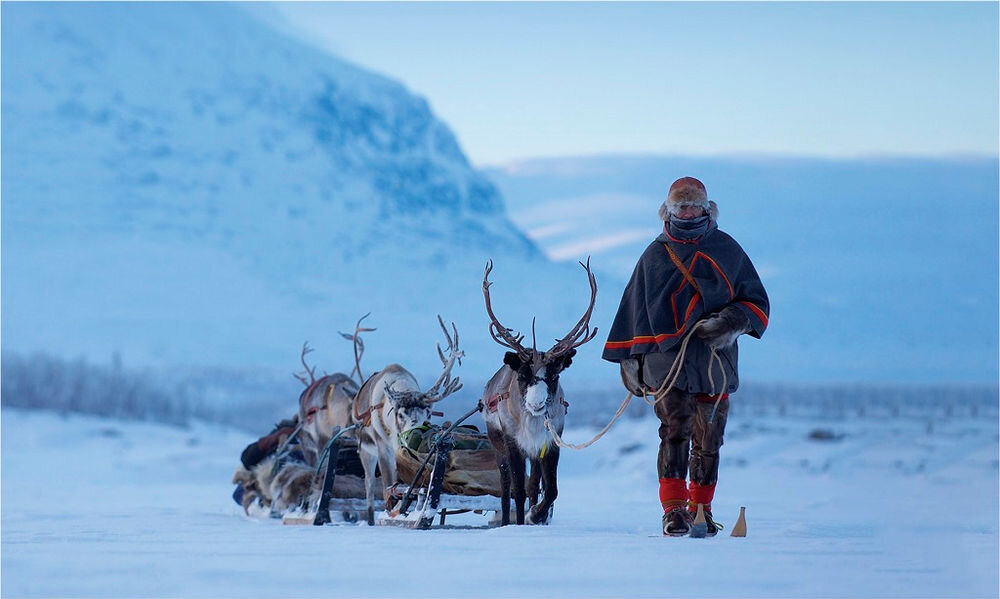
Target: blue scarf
(692, 228)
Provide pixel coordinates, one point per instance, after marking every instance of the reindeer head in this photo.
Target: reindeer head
(538, 372)
(410, 408)
(537, 379)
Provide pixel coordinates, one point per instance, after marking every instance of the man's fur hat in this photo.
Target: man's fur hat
(687, 191)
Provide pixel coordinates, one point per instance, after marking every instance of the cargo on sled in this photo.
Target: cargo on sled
(441, 471)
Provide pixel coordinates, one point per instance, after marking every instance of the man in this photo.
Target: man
(693, 277)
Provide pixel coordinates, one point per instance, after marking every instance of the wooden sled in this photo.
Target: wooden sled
(330, 509)
(456, 473)
(449, 471)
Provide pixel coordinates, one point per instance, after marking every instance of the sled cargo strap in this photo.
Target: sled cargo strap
(680, 266)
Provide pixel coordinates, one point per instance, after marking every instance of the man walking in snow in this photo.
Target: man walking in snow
(693, 282)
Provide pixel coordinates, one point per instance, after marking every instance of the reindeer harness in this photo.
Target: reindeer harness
(492, 402)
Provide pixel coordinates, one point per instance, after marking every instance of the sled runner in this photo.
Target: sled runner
(339, 457)
(447, 471)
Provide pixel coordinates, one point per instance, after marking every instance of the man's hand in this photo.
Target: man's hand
(630, 376)
(720, 330)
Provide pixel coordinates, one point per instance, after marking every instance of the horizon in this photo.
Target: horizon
(747, 156)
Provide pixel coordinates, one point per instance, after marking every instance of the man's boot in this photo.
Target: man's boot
(677, 522)
(674, 499)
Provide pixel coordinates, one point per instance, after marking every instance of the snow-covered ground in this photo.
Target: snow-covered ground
(903, 507)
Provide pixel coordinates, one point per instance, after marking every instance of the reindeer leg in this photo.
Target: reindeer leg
(387, 466)
(368, 460)
(533, 480)
(548, 465)
(517, 478)
(503, 464)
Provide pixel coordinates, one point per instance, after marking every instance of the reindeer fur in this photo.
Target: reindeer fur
(518, 435)
(379, 438)
(269, 492)
(331, 397)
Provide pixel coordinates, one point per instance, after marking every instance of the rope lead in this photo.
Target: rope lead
(659, 394)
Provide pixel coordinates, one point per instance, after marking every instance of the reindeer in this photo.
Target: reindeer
(325, 404)
(391, 402)
(517, 401)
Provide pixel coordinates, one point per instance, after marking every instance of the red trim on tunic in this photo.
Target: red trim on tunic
(719, 270)
(757, 311)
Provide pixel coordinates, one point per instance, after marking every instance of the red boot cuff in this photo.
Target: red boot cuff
(701, 493)
(673, 492)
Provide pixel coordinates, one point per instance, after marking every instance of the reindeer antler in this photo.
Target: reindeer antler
(445, 385)
(500, 333)
(310, 371)
(581, 333)
(359, 346)
(401, 397)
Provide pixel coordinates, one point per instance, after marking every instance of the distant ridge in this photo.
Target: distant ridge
(184, 185)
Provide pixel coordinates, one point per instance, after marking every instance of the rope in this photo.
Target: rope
(558, 440)
(711, 359)
(659, 394)
(675, 369)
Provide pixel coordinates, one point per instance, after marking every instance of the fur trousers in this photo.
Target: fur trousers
(688, 441)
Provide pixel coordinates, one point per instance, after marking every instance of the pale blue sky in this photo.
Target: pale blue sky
(518, 80)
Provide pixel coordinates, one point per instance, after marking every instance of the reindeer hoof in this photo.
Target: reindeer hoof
(533, 517)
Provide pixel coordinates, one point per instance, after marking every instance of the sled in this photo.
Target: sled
(442, 472)
(338, 454)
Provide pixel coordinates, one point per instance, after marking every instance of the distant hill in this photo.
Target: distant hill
(881, 269)
(183, 185)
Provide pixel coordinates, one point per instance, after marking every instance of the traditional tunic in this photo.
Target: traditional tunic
(659, 307)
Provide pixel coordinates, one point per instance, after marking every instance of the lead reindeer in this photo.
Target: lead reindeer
(391, 402)
(517, 401)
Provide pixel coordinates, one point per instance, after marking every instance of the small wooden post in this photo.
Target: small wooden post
(699, 529)
(740, 528)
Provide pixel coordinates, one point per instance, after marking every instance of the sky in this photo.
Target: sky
(524, 80)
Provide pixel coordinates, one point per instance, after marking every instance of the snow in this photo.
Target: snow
(196, 194)
(900, 507)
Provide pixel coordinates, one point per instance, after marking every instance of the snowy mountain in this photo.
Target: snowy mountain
(183, 184)
(878, 269)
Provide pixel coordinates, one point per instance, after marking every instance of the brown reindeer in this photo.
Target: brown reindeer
(391, 402)
(517, 401)
(325, 404)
